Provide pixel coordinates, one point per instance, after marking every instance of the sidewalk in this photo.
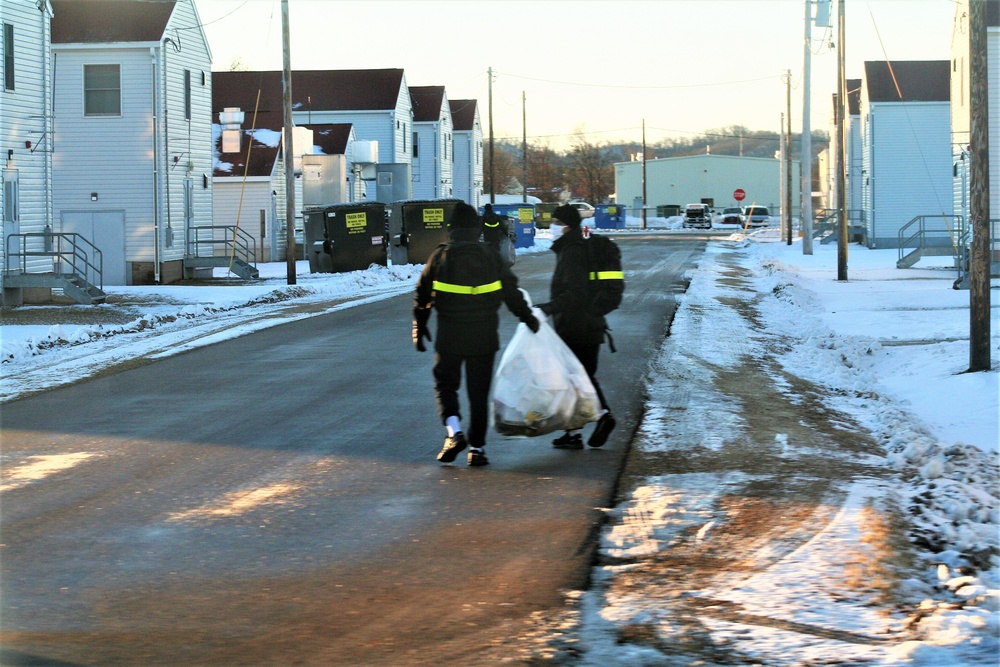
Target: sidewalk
(815, 477)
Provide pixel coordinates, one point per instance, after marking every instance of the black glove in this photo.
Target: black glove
(420, 332)
(532, 323)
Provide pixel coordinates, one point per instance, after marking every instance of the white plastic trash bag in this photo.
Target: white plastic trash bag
(540, 385)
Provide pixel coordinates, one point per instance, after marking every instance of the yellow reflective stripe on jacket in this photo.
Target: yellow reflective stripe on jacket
(495, 224)
(607, 275)
(466, 289)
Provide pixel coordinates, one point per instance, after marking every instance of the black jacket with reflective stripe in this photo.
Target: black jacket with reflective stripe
(465, 282)
(576, 315)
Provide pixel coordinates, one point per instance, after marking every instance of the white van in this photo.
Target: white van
(756, 216)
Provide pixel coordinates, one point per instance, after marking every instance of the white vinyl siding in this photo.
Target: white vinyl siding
(993, 60)
(433, 172)
(107, 155)
(467, 163)
(23, 112)
(233, 204)
(190, 140)
(138, 161)
(425, 165)
(854, 171)
(908, 166)
(961, 116)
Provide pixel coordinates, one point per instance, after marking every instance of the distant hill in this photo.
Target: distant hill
(731, 141)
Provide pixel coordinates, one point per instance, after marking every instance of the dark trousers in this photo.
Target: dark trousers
(588, 356)
(478, 379)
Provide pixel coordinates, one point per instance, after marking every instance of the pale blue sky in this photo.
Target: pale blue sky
(602, 66)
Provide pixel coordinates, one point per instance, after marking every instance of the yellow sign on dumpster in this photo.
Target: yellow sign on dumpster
(356, 222)
(433, 218)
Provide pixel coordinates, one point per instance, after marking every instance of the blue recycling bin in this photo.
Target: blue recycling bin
(609, 216)
(523, 218)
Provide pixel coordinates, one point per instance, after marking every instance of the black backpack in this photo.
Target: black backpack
(607, 280)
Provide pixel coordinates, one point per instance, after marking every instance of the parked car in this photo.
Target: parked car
(697, 215)
(732, 216)
(756, 216)
(585, 209)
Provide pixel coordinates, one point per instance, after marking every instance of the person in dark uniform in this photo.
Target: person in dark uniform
(465, 282)
(576, 315)
(495, 228)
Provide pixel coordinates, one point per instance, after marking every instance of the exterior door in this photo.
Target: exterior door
(11, 214)
(106, 230)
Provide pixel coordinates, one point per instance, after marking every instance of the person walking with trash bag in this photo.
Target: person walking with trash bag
(465, 282)
(497, 234)
(577, 307)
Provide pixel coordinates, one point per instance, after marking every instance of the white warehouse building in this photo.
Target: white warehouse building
(711, 179)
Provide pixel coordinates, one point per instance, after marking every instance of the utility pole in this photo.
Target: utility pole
(979, 200)
(489, 73)
(805, 205)
(782, 165)
(788, 154)
(286, 87)
(643, 173)
(842, 221)
(524, 149)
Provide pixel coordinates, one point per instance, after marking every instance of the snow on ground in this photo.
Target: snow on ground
(890, 345)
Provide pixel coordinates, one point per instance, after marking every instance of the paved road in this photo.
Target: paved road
(275, 499)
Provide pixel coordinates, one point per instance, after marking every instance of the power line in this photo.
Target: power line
(604, 85)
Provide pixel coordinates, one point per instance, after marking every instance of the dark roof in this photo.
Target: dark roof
(331, 137)
(102, 21)
(261, 156)
(239, 89)
(919, 80)
(853, 96)
(993, 13)
(427, 102)
(463, 114)
(322, 90)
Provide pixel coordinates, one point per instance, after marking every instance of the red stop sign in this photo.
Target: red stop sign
(739, 195)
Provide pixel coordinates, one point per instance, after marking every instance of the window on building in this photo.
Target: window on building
(102, 90)
(416, 145)
(187, 94)
(404, 138)
(8, 56)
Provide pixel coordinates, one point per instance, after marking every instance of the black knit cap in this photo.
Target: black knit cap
(464, 217)
(568, 215)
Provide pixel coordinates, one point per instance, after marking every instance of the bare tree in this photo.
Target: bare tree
(545, 173)
(506, 169)
(237, 64)
(591, 171)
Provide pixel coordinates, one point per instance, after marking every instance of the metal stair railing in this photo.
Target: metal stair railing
(929, 234)
(73, 253)
(825, 222)
(965, 254)
(205, 241)
(826, 226)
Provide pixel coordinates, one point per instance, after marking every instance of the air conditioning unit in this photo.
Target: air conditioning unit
(365, 152)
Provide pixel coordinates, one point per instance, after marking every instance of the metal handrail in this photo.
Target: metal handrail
(83, 258)
(965, 256)
(955, 232)
(235, 240)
